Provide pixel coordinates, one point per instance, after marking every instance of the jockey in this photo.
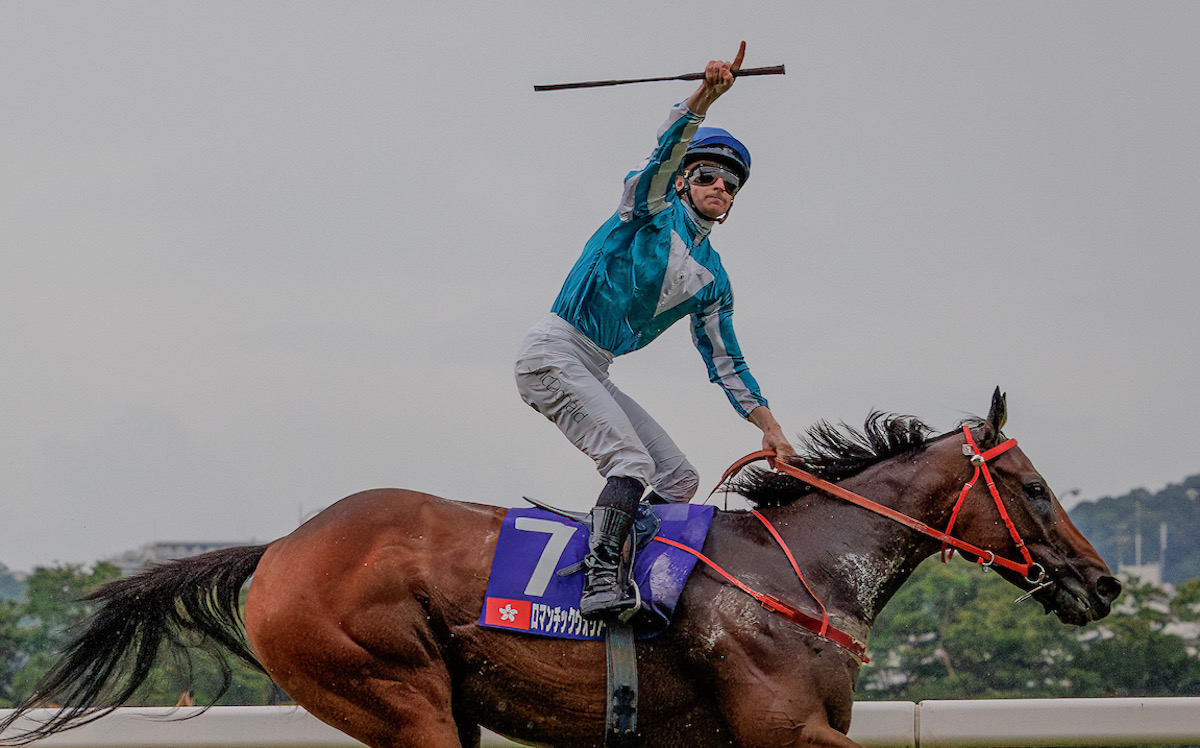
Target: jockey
(646, 268)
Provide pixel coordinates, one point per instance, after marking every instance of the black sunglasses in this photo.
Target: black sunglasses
(707, 174)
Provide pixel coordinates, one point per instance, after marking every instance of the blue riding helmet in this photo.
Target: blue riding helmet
(715, 144)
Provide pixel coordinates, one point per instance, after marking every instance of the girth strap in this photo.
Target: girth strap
(620, 723)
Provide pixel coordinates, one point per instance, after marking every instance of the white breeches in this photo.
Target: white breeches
(564, 376)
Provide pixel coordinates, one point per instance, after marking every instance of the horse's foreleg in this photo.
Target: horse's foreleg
(821, 735)
(779, 731)
(779, 696)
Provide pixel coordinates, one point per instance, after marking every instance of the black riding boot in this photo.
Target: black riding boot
(606, 588)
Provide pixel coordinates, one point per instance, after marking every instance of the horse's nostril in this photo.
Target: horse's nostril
(1108, 588)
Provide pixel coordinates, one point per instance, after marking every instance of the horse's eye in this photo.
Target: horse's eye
(1037, 491)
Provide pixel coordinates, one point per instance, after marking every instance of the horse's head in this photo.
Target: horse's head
(1024, 525)
(972, 491)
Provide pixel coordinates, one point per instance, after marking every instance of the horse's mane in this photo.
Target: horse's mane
(835, 453)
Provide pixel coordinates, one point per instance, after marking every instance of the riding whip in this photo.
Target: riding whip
(772, 70)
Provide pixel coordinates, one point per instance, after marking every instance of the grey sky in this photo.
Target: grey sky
(258, 256)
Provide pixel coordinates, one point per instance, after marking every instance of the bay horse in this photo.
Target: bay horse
(367, 614)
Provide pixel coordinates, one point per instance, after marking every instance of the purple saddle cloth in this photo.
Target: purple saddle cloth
(526, 594)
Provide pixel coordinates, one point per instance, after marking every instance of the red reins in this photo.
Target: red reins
(820, 626)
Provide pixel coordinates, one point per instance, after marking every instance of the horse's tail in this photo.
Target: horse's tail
(192, 602)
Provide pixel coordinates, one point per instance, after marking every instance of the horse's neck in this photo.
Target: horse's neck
(859, 559)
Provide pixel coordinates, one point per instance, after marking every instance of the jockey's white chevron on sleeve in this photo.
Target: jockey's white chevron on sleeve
(712, 332)
(648, 186)
(651, 264)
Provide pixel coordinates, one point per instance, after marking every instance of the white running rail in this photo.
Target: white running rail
(877, 724)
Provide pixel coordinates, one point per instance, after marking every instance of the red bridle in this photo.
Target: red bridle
(980, 460)
(949, 543)
(985, 558)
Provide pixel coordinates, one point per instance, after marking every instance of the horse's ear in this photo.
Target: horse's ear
(997, 416)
